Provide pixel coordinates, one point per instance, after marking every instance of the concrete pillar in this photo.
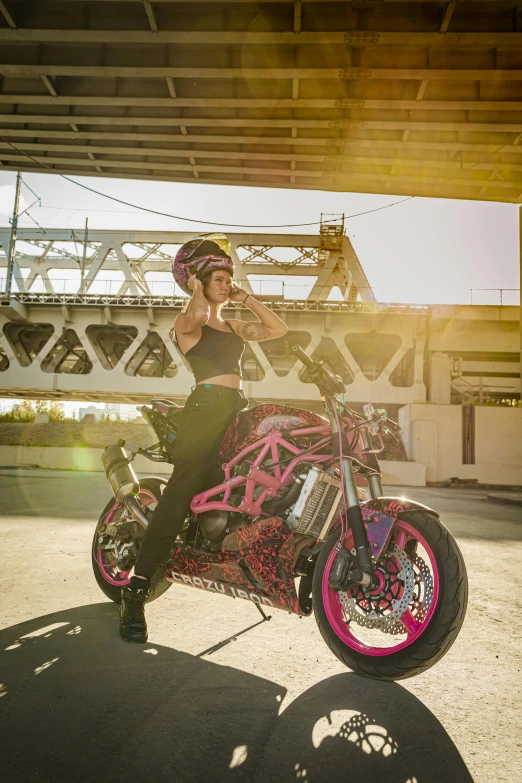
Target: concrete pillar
(440, 379)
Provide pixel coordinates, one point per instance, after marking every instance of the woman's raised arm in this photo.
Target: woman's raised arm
(269, 325)
(198, 311)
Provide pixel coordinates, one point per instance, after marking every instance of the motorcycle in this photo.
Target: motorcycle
(297, 520)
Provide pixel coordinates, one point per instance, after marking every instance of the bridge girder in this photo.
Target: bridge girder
(77, 342)
(134, 255)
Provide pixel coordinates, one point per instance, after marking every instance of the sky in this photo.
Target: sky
(423, 251)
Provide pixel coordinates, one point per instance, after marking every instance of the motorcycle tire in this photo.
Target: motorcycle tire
(150, 491)
(437, 628)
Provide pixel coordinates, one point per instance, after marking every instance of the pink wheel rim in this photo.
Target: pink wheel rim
(106, 569)
(413, 628)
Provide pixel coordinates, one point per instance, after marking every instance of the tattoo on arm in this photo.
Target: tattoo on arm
(254, 331)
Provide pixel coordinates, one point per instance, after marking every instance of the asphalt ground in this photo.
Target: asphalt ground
(269, 704)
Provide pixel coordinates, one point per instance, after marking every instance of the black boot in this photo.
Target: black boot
(133, 626)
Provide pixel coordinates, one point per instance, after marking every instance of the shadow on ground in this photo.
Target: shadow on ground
(79, 704)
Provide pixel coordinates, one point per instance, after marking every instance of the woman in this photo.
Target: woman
(213, 348)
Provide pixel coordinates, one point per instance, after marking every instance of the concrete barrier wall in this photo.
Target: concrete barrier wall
(54, 458)
(432, 435)
(407, 474)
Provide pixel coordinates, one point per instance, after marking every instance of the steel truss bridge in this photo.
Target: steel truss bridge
(91, 317)
(416, 97)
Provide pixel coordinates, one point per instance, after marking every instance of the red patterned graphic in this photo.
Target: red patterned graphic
(260, 421)
(395, 506)
(266, 547)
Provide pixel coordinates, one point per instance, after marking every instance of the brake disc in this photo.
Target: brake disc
(389, 622)
(423, 585)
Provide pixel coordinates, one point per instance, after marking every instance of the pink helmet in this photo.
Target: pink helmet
(201, 255)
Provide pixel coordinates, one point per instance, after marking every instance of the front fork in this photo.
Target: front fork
(375, 480)
(364, 574)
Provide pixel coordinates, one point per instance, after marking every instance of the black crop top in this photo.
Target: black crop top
(216, 353)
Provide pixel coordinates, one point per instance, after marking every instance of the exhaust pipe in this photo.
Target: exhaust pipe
(135, 507)
(123, 480)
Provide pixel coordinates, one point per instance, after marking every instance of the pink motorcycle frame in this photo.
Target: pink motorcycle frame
(270, 445)
(224, 572)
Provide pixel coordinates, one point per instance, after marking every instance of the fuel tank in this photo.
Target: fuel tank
(254, 424)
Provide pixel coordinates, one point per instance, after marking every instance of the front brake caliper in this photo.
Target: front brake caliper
(340, 574)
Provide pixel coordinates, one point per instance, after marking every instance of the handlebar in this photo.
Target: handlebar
(330, 384)
(327, 383)
(307, 361)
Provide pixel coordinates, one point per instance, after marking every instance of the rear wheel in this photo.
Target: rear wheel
(413, 616)
(117, 541)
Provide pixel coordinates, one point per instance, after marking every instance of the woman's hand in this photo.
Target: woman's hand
(193, 283)
(237, 294)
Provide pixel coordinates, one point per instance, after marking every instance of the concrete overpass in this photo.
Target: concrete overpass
(416, 97)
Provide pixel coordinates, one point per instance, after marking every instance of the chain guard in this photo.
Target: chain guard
(391, 622)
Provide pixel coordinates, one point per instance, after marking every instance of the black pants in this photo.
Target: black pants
(206, 416)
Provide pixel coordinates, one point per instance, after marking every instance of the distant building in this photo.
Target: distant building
(120, 412)
(92, 411)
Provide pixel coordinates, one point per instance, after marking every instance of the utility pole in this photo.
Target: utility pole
(84, 259)
(12, 241)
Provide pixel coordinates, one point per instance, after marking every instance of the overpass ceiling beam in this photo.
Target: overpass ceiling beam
(352, 38)
(7, 16)
(192, 122)
(429, 187)
(149, 10)
(448, 13)
(48, 83)
(420, 95)
(335, 159)
(336, 144)
(96, 164)
(246, 74)
(264, 103)
(171, 88)
(422, 166)
(297, 16)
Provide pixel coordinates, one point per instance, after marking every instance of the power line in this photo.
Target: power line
(192, 220)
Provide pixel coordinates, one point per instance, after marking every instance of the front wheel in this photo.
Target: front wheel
(409, 621)
(116, 544)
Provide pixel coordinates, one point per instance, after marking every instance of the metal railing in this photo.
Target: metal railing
(176, 302)
(278, 289)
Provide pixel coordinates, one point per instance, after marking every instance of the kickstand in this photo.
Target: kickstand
(262, 613)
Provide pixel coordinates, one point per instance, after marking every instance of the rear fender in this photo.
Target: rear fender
(380, 516)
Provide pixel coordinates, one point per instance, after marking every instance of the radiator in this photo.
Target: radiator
(316, 507)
